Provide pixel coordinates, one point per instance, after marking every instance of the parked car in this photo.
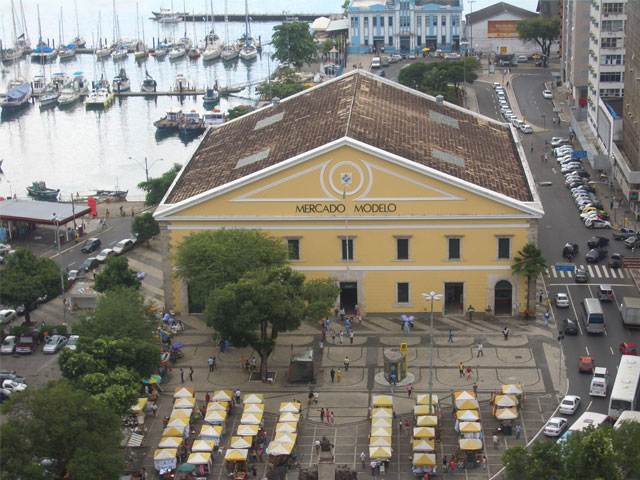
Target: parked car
(569, 404)
(562, 300)
(54, 344)
(382, 73)
(628, 348)
(555, 426)
(597, 242)
(569, 250)
(595, 255)
(547, 94)
(91, 245)
(375, 62)
(123, 246)
(586, 365)
(570, 326)
(559, 141)
(8, 345)
(600, 224)
(630, 242)
(105, 255)
(581, 276)
(89, 264)
(13, 386)
(615, 260)
(526, 128)
(10, 374)
(27, 343)
(6, 316)
(72, 343)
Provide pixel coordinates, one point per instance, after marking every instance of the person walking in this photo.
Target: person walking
(461, 369)
(241, 362)
(496, 441)
(406, 428)
(468, 372)
(363, 459)
(480, 350)
(181, 375)
(327, 414)
(333, 374)
(260, 452)
(517, 432)
(210, 364)
(191, 374)
(332, 418)
(484, 463)
(452, 466)
(317, 445)
(532, 147)
(409, 390)
(450, 336)
(373, 466)
(207, 399)
(351, 337)
(324, 334)
(445, 464)
(341, 337)
(333, 336)
(132, 212)
(339, 375)
(342, 313)
(155, 409)
(400, 425)
(505, 332)
(215, 363)
(322, 414)
(346, 364)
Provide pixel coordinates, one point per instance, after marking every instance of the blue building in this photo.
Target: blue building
(404, 25)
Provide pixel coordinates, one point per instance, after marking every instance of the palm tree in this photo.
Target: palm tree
(529, 263)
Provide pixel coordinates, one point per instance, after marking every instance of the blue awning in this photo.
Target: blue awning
(19, 91)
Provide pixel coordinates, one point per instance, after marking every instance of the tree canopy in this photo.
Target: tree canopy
(285, 84)
(78, 432)
(212, 258)
(238, 111)
(604, 453)
(293, 43)
(26, 277)
(116, 274)
(542, 31)
(145, 226)
(529, 263)
(157, 187)
(120, 313)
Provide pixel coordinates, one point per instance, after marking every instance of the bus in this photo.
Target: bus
(587, 419)
(627, 416)
(593, 316)
(624, 395)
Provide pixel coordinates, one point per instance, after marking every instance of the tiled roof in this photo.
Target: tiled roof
(368, 109)
(496, 9)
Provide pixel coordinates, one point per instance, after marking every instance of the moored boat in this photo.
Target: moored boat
(16, 97)
(170, 121)
(121, 82)
(211, 97)
(148, 84)
(49, 99)
(181, 84)
(38, 85)
(248, 52)
(68, 96)
(118, 195)
(39, 191)
(213, 118)
(191, 123)
(67, 52)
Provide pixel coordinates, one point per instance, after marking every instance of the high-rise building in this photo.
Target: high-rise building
(575, 50)
(631, 101)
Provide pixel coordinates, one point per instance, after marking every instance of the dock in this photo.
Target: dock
(255, 17)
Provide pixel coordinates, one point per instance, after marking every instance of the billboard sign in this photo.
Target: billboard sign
(502, 29)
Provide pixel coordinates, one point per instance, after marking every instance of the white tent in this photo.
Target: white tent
(164, 459)
(218, 406)
(170, 442)
(253, 408)
(184, 392)
(286, 427)
(253, 398)
(240, 442)
(203, 446)
(222, 395)
(289, 417)
(215, 417)
(199, 458)
(277, 448)
(293, 407)
(247, 430)
(251, 419)
(184, 402)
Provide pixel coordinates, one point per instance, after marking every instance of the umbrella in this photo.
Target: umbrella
(152, 379)
(177, 345)
(424, 460)
(186, 468)
(470, 444)
(506, 413)
(382, 401)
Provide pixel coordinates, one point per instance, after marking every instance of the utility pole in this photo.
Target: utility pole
(64, 299)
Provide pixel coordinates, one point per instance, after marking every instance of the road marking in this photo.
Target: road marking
(574, 310)
(590, 270)
(610, 348)
(71, 264)
(597, 269)
(587, 350)
(604, 271)
(589, 406)
(613, 274)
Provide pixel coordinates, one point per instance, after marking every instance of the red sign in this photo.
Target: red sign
(631, 262)
(502, 29)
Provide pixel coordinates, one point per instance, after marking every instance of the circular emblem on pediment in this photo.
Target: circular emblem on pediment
(345, 178)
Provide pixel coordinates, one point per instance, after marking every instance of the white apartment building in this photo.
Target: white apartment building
(606, 54)
(575, 50)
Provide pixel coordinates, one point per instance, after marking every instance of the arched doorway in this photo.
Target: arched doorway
(503, 297)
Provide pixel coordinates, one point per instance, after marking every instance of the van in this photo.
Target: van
(605, 293)
(522, 58)
(599, 382)
(375, 62)
(385, 61)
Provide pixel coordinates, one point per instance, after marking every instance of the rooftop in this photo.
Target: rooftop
(368, 109)
(496, 9)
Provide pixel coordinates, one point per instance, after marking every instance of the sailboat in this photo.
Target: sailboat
(121, 82)
(249, 51)
(9, 55)
(43, 52)
(229, 51)
(23, 43)
(65, 52)
(78, 41)
(49, 99)
(148, 84)
(101, 52)
(212, 45)
(194, 52)
(141, 47)
(120, 51)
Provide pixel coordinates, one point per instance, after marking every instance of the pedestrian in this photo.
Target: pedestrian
(327, 414)
(207, 398)
(505, 332)
(409, 390)
(237, 395)
(215, 362)
(363, 459)
(333, 336)
(254, 472)
(339, 375)
(400, 424)
(475, 390)
(450, 336)
(221, 450)
(107, 213)
(517, 432)
(316, 444)
(328, 324)
(541, 292)
(260, 452)
(181, 375)
(461, 369)
(342, 313)
(445, 464)
(406, 428)
(496, 441)
(322, 414)
(132, 212)
(373, 466)
(484, 463)
(532, 146)
(324, 334)
(346, 364)
(254, 455)
(341, 337)
(210, 364)
(468, 372)
(155, 409)
(333, 374)
(611, 203)
(546, 319)
(542, 158)
(254, 363)
(452, 465)
(480, 350)
(191, 374)
(351, 337)
(241, 362)
(332, 417)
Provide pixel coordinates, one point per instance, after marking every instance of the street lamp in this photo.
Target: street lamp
(430, 297)
(146, 165)
(64, 301)
(544, 123)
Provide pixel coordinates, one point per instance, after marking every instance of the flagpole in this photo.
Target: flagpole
(346, 223)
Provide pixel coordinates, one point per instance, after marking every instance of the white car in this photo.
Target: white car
(105, 254)
(569, 404)
(8, 345)
(526, 128)
(559, 141)
(13, 386)
(562, 300)
(547, 94)
(123, 246)
(72, 343)
(599, 224)
(7, 316)
(555, 426)
(54, 344)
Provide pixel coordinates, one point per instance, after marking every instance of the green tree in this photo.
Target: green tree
(211, 259)
(544, 461)
(78, 432)
(293, 43)
(345, 7)
(26, 277)
(120, 313)
(529, 263)
(145, 226)
(413, 75)
(285, 84)
(264, 303)
(325, 47)
(542, 31)
(626, 447)
(238, 111)
(116, 274)
(157, 187)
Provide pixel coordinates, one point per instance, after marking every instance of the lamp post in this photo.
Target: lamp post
(64, 300)
(544, 122)
(431, 297)
(146, 165)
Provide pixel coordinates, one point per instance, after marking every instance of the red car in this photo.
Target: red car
(628, 348)
(585, 365)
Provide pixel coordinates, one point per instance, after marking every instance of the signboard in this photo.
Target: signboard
(579, 154)
(404, 348)
(565, 267)
(631, 262)
(502, 29)
(633, 196)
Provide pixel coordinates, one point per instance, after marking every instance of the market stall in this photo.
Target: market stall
(381, 422)
(184, 392)
(212, 433)
(379, 442)
(251, 419)
(286, 427)
(218, 407)
(215, 417)
(470, 452)
(241, 442)
(222, 396)
(253, 408)
(253, 398)
(468, 415)
(467, 404)
(175, 432)
(505, 401)
(289, 417)
(184, 402)
(206, 446)
(291, 407)
(424, 432)
(202, 462)
(286, 438)
(427, 421)
(470, 430)
(380, 432)
(423, 463)
(236, 463)
(171, 442)
(423, 445)
(381, 413)
(379, 453)
(165, 460)
(382, 401)
(247, 430)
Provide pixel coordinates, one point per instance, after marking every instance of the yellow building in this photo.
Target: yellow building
(391, 192)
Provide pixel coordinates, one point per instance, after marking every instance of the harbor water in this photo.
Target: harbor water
(79, 150)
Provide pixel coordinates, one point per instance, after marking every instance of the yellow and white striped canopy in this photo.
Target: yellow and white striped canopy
(424, 459)
(380, 432)
(203, 446)
(382, 401)
(253, 398)
(222, 396)
(380, 441)
(199, 458)
(377, 453)
(464, 395)
(512, 389)
(381, 422)
(185, 402)
(427, 421)
(470, 444)
(286, 437)
(165, 454)
(279, 448)
(170, 442)
(506, 413)
(236, 454)
(470, 404)
(289, 417)
(424, 432)
(286, 427)
(181, 412)
(217, 406)
(178, 421)
(251, 419)
(240, 442)
(423, 399)
(211, 431)
(184, 392)
(293, 407)
(173, 432)
(468, 415)
(253, 408)
(419, 410)
(215, 416)
(381, 413)
(424, 445)
(505, 401)
(247, 430)
(470, 427)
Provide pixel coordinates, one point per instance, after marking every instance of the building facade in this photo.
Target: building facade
(493, 30)
(388, 191)
(607, 43)
(575, 50)
(396, 26)
(554, 8)
(631, 101)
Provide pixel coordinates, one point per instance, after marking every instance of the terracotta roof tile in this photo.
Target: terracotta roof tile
(369, 110)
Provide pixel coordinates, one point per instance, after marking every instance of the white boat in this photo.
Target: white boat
(167, 15)
(38, 85)
(16, 97)
(49, 99)
(80, 83)
(229, 51)
(214, 118)
(103, 52)
(160, 52)
(67, 52)
(121, 82)
(177, 52)
(181, 84)
(120, 53)
(68, 96)
(211, 97)
(212, 52)
(148, 84)
(100, 97)
(249, 52)
(59, 80)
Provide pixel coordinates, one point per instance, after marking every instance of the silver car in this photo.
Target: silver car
(8, 345)
(569, 404)
(562, 300)
(54, 344)
(555, 426)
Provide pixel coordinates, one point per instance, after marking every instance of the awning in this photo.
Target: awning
(427, 421)
(236, 455)
(251, 418)
(217, 406)
(468, 415)
(165, 454)
(247, 430)
(470, 444)
(181, 412)
(253, 398)
(278, 448)
(34, 211)
(199, 458)
(381, 413)
(293, 407)
(222, 395)
(376, 453)
(203, 446)
(211, 431)
(184, 392)
(423, 410)
(380, 432)
(380, 441)
(184, 403)
(424, 459)
(382, 401)
(170, 442)
(215, 416)
(464, 395)
(178, 421)
(506, 413)
(286, 427)
(240, 442)
(424, 445)
(423, 399)
(424, 432)
(173, 432)
(289, 417)
(470, 427)
(253, 408)
(286, 437)
(471, 404)
(505, 401)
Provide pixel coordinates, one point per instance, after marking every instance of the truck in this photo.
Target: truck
(630, 310)
(27, 343)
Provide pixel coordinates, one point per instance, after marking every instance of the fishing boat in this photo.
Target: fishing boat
(211, 97)
(248, 52)
(59, 80)
(38, 85)
(118, 195)
(49, 99)
(80, 83)
(16, 97)
(214, 118)
(39, 191)
(100, 97)
(148, 84)
(170, 121)
(229, 51)
(191, 123)
(121, 82)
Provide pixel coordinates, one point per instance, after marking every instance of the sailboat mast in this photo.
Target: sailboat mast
(213, 20)
(15, 32)
(246, 21)
(24, 25)
(226, 23)
(75, 3)
(61, 28)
